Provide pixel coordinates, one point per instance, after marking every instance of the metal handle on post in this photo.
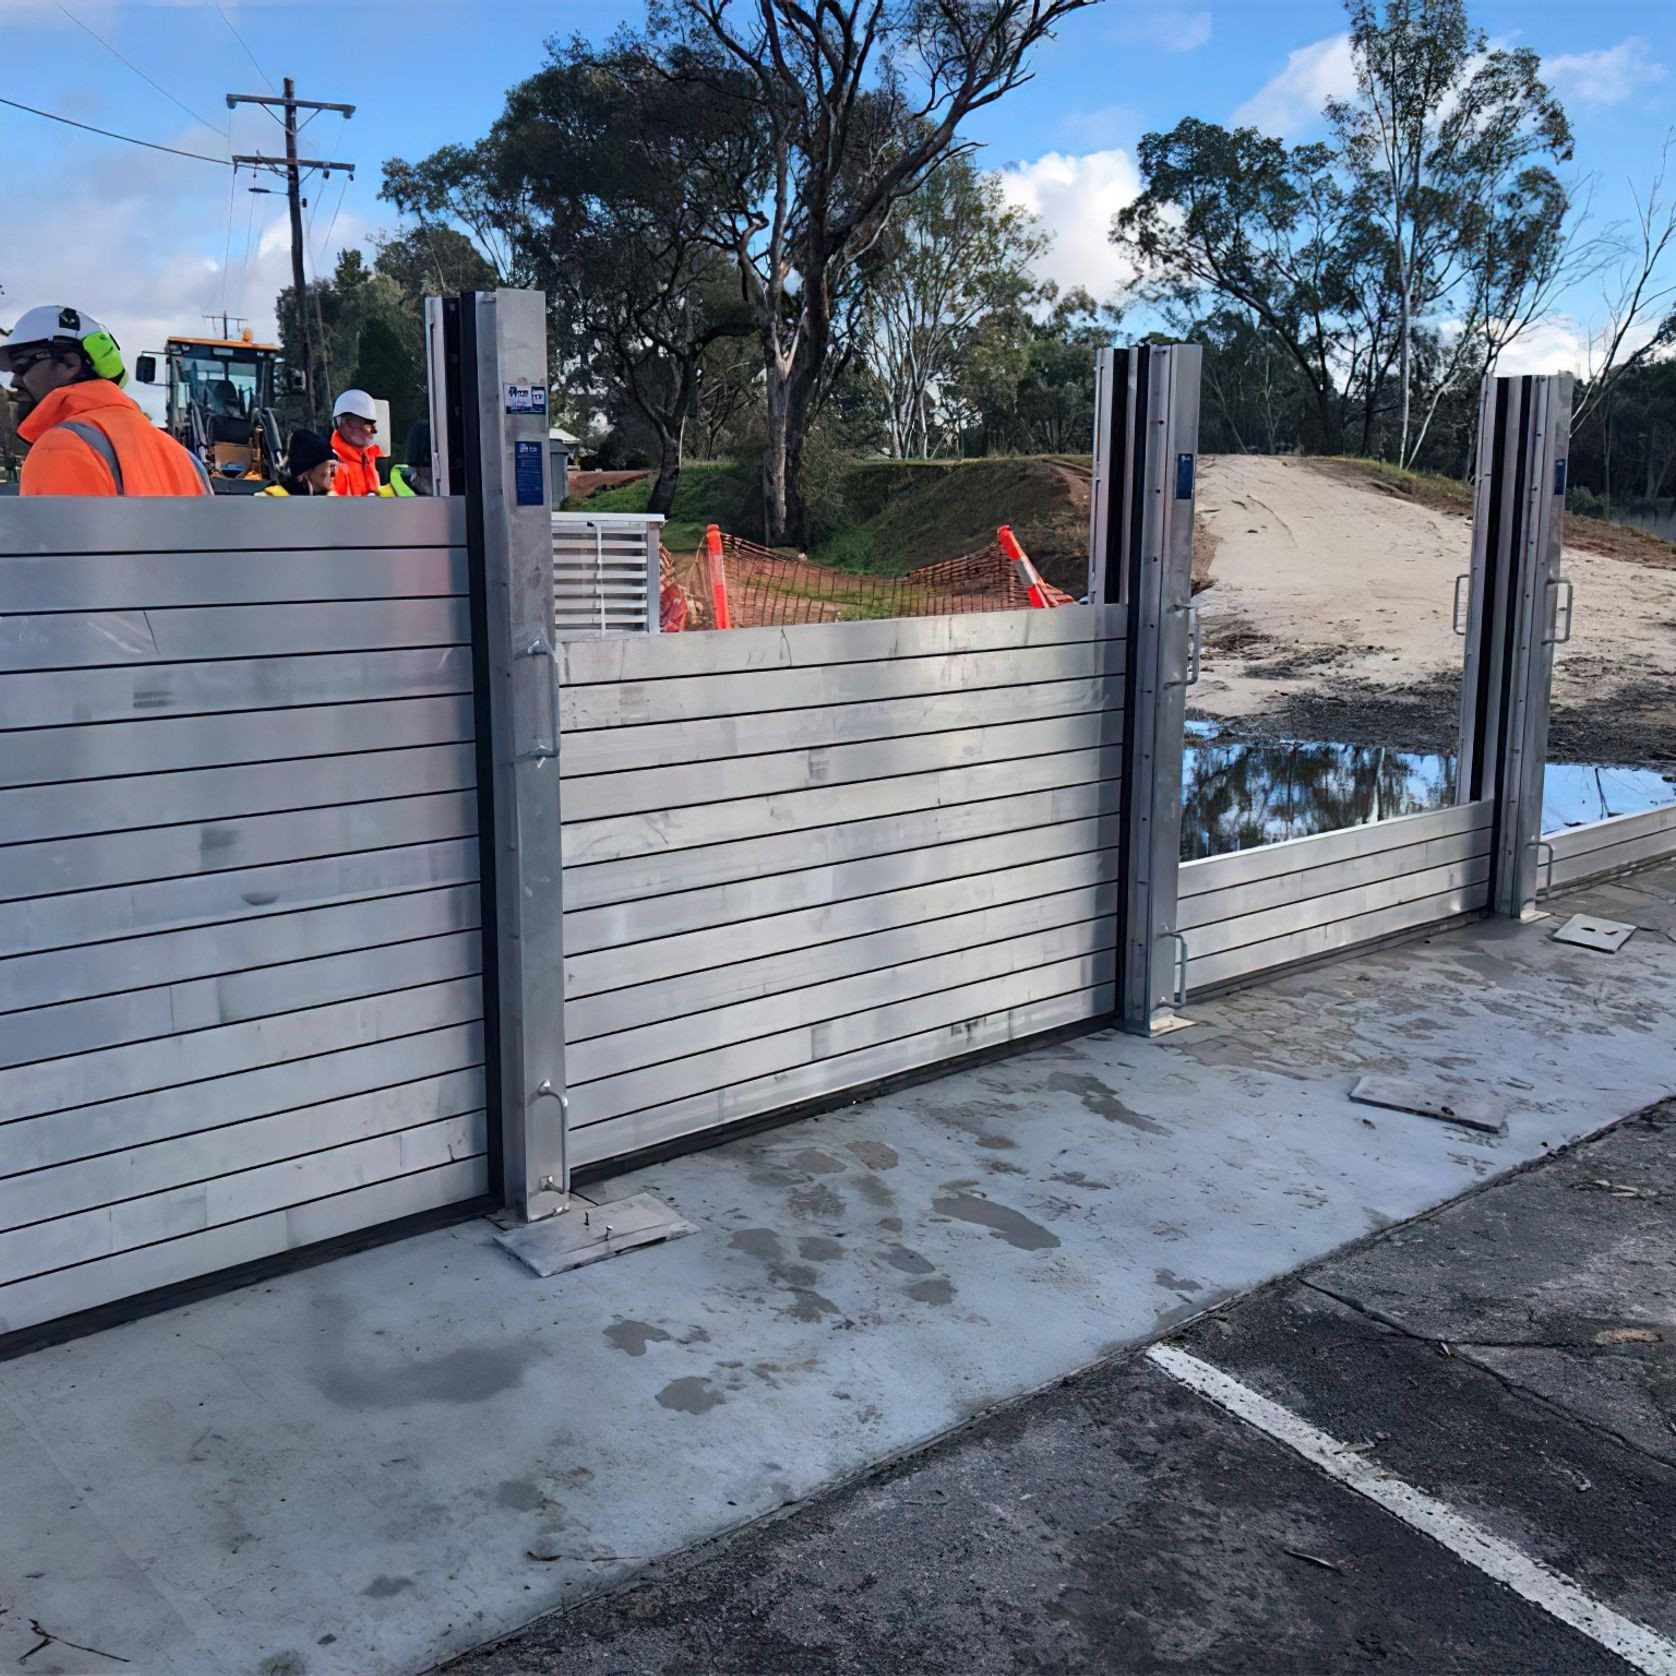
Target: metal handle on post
(1541, 845)
(539, 648)
(1554, 637)
(1195, 642)
(559, 1184)
(1178, 997)
(1460, 627)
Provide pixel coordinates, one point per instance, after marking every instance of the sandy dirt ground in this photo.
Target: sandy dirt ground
(1328, 617)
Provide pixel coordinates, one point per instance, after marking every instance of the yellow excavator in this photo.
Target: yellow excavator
(220, 403)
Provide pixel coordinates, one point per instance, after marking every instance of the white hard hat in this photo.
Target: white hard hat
(58, 323)
(357, 402)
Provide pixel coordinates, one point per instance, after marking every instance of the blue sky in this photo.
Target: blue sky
(150, 242)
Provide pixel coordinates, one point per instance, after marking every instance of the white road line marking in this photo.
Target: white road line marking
(1539, 1584)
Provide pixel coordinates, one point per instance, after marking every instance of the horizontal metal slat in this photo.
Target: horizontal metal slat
(729, 955)
(631, 704)
(1211, 907)
(617, 749)
(1581, 853)
(52, 699)
(249, 524)
(86, 1236)
(105, 968)
(623, 837)
(144, 581)
(135, 1015)
(823, 1078)
(604, 796)
(133, 1171)
(1087, 819)
(198, 848)
(55, 922)
(286, 1088)
(141, 1067)
(763, 1055)
(183, 634)
(1348, 902)
(1325, 848)
(89, 1285)
(45, 756)
(812, 645)
(795, 852)
(214, 794)
(662, 1049)
(1234, 965)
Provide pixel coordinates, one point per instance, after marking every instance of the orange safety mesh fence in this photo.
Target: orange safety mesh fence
(761, 588)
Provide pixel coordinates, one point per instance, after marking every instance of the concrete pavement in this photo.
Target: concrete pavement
(384, 1461)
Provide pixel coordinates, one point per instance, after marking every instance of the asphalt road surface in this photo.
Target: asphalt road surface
(1508, 1362)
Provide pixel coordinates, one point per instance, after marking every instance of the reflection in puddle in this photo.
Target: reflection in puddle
(1238, 794)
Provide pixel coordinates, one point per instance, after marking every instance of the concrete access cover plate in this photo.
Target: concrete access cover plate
(1449, 1105)
(1590, 931)
(589, 1233)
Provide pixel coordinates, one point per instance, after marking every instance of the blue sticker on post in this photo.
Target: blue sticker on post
(528, 481)
(1184, 477)
(1559, 477)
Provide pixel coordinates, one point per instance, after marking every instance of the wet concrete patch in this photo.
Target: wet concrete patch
(692, 1395)
(1003, 1222)
(455, 1377)
(1100, 1100)
(633, 1336)
(935, 1291)
(875, 1154)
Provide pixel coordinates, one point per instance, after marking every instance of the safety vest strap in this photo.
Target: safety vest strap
(106, 450)
(101, 445)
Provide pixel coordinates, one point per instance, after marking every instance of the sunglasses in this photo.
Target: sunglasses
(23, 365)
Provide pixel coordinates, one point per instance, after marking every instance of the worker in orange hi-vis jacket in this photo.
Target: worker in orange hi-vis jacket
(85, 436)
(355, 442)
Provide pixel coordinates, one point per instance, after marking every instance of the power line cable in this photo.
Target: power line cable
(90, 30)
(246, 45)
(111, 134)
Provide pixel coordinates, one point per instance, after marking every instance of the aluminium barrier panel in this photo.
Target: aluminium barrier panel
(1259, 910)
(1579, 855)
(800, 860)
(240, 951)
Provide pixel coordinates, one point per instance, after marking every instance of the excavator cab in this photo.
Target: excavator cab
(220, 404)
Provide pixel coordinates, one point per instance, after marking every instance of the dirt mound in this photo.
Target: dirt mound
(1331, 614)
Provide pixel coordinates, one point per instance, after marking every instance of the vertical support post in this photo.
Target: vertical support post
(504, 342)
(1141, 556)
(1511, 629)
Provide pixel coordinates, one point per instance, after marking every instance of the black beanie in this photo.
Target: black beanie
(418, 448)
(307, 450)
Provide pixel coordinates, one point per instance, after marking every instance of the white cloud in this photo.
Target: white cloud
(1167, 24)
(166, 220)
(1557, 345)
(1608, 76)
(1076, 198)
(1292, 101)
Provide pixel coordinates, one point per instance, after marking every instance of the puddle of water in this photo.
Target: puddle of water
(1578, 793)
(1239, 794)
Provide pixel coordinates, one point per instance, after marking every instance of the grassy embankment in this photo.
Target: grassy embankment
(883, 517)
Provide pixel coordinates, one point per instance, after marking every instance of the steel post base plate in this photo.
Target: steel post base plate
(1448, 1105)
(589, 1233)
(1590, 931)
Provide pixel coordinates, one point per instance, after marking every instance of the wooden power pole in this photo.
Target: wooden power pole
(292, 167)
